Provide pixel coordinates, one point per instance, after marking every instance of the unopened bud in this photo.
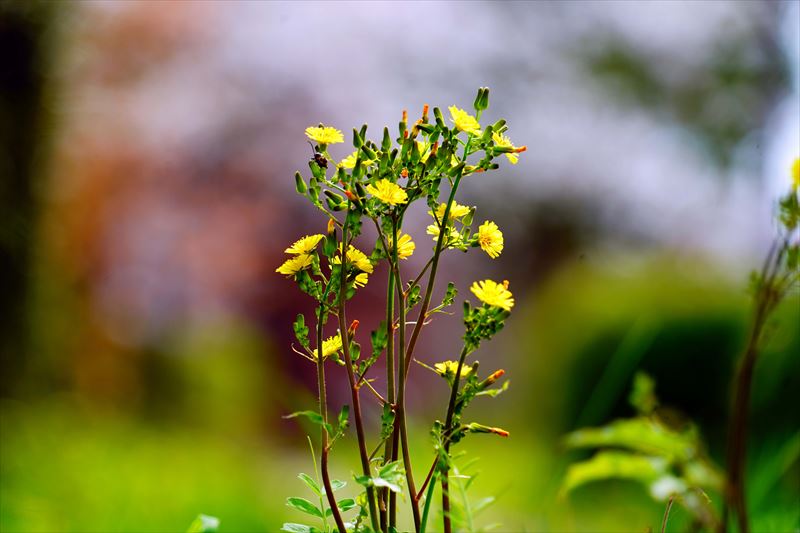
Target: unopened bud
(425, 113)
(331, 226)
(299, 184)
(387, 141)
(357, 139)
(352, 329)
(488, 382)
(480, 428)
(437, 113)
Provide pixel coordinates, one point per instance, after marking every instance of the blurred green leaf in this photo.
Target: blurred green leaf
(204, 524)
(615, 464)
(312, 416)
(296, 528)
(640, 434)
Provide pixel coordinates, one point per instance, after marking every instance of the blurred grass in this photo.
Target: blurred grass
(66, 471)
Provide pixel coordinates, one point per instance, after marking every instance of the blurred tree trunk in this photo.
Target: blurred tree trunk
(25, 48)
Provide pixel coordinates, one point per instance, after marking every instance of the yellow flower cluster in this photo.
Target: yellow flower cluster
(324, 134)
(493, 293)
(464, 121)
(796, 174)
(388, 192)
(490, 239)
(448, 368)
(301, 249)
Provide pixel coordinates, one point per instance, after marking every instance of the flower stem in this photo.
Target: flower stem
(400, 429)
(362, 443)
(390, 390)
(323, 411)
(767, 297)
(449, 422)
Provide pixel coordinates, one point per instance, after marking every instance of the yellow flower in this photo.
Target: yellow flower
(452, 234)
(456, 211)
(464, 121)
(388, 192)
(490, 239)
(356, 258)
(294, 265)
(361, 279)
(324, 135)
(304, 245)
(350, 161)
(493, 293)
(424, 150)
(405, 246)
(501, 140)
(330, 346)
(448, 368)
(796, 174)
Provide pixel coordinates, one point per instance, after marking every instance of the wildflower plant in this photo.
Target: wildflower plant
(374, 186)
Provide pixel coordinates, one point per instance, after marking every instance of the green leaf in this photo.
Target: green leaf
(311, 483)
(346, 504)
(343, 417)
(303, 505)
(301, 331)
(387, 421)
(615, 464)
(343, 505)
(204, 524)
(295, 528)
(312, 416)
(643, 397)
(640, 434)
(380, 482)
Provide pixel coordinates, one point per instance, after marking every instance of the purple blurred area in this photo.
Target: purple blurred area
(652, 127)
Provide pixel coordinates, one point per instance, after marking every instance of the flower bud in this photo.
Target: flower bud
(357, 139)
(437, 113)
(369, 152)
(499, 125)
(352, 329)
(333, 197)
(480, 428)
(299, 184)
(387, 141)
(488, 382)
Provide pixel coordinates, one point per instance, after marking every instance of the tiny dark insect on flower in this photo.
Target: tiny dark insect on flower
(319, 159)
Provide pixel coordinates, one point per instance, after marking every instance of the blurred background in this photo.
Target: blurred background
(146, 159)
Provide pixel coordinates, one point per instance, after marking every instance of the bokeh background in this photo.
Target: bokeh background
(146, 159)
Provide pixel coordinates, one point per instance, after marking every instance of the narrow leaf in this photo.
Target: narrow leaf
(303, 505)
